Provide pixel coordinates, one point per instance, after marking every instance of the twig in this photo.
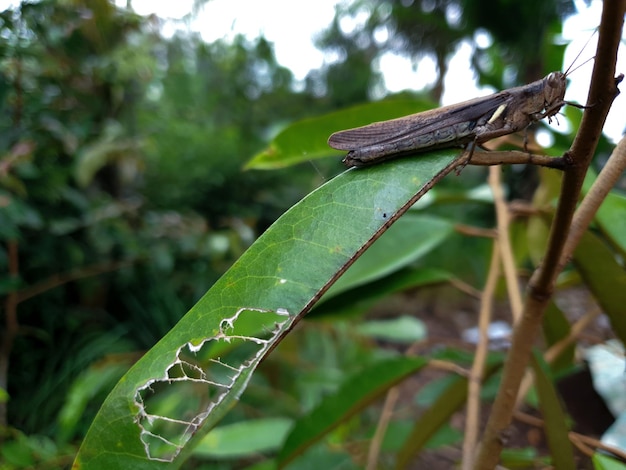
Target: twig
(601, 187)
(390, 402)
(465, 288)
(472, 420)
(574, 437)
(448, 367)
(475, 231)
(385, 416)
(603, 90)
(506, 252)
(63, 278)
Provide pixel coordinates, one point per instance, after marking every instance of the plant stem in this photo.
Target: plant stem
(602, 91)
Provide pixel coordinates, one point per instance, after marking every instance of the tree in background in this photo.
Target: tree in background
(63, 96)
(122, 195)
(415, 29)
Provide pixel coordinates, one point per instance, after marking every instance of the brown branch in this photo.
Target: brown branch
(602, 91)
(63, 278)
(513, 157)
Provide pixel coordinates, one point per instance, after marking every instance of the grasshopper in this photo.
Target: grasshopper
(465, 124)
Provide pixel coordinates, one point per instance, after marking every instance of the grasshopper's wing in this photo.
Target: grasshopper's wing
(420, 123)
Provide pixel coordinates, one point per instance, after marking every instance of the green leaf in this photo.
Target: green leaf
(407, 240)
(159, 410)
(555, 328)
(452, 394)
(360, 299)
(519, 458)
(83, 389)
(323, 456)
(357, 392)
(611, 216)
(554, 417)
(604, 462)
(606, 279)
(264, 465)
(398, 431)
(110, 146)
(433, 418)
(244, 439)
(307, 139)
(31, 451)
(404, 329)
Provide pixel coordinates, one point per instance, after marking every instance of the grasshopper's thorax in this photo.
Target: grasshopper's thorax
(554, 92)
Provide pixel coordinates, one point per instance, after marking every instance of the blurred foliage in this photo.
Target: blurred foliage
(212, 106)
(122, 198)
(520, 38)
(122, 195)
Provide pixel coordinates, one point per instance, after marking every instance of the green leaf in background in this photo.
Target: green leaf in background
(357, 392)
(398, 431)
(321, 456)
(555, 328)
(245, 439)
(520, 458)
(554, 418)
(307, 139)
(408, 239)
(604, 462)
(605, 277)
(160, 410)
(360, 299)
(404, 329)
(544, 200)
(451, 393)
(433, 418)
(611, 216)
(110, 146)
(98, 377)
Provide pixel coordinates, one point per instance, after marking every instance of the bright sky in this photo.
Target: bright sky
(291, 25)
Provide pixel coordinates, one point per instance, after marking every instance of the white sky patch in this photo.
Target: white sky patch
(175, 10)
(577, 30)
(291, 26)
(401, 74)
(460, 82)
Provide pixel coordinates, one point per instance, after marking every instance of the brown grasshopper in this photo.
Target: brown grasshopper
(464, 124)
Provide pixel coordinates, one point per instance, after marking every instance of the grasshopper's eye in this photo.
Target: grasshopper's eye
(554, 79)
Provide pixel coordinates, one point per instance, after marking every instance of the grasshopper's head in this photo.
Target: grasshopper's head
(554, 92)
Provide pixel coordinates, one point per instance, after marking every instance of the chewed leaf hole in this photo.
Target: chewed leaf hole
(174, 406)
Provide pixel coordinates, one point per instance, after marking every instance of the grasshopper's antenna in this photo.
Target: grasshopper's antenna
(567, 72)
(578, 66)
